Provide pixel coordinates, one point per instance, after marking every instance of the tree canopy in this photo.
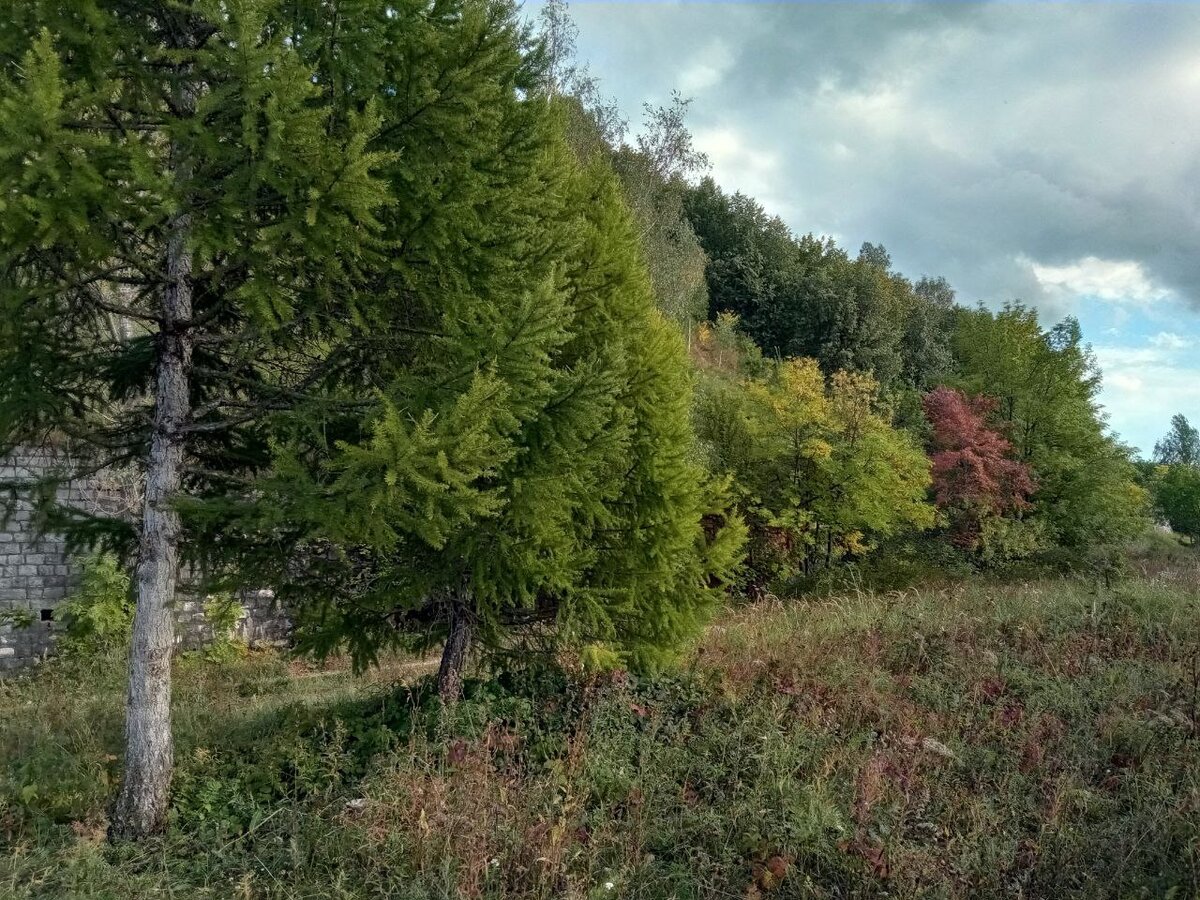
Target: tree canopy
(1180, 446)
(387, 309)
(975, 478)
(806, 297)
(819, 468)
(337, 286)
(1045, 383)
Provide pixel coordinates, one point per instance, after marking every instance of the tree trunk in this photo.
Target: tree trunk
(458, 645)
(141, 806)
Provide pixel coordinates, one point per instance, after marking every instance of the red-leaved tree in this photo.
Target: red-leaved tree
(974, 474)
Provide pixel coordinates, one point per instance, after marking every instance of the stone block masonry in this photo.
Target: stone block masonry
(262, 621)
(37, 573)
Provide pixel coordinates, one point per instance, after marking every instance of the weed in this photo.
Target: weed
(988, 739)
(99, 612)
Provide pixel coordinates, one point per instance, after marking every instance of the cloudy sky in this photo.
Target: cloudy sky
(1034, 150)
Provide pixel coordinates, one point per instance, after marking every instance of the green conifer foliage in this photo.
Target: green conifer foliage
(521, 454)
(98, 154)
(187, 213)
(328, 273)
(574, 497)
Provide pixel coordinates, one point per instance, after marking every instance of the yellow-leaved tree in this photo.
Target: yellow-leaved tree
(819, 468)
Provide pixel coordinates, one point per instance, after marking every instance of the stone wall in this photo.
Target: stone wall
(37, 574)
(262, 622)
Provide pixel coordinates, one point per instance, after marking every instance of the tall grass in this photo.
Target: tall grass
(982, 739)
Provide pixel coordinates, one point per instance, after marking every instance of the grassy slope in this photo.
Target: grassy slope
(983, 740)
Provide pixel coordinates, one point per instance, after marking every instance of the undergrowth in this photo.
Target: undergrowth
(1036, 740)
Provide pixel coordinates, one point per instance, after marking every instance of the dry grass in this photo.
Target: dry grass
(1035, 740)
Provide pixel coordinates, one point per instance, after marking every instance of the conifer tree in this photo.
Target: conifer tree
(558, 396)
(331, 279)
(522, 456)
(184, 220)
(654, 172)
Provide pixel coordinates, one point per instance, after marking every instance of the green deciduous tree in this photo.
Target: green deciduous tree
(1046, 383)
(806, 297)
(1175, 480)
(819, 468)
(1177, 494)
(671, 252)
(925, 353)
(1180, 446)
(753, 268)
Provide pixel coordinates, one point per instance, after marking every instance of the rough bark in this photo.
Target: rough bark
(458, 646)
(141, 806)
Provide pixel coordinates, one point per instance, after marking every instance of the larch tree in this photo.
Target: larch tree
(329, 276)
(522, 464)
(187, 212)
(558, 396)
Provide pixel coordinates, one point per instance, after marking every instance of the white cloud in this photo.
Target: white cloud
(1117, 358)
(1126, 382)
(1168, 340)
(1117, 281)
(708, 70)
(728, 146)
(961, 137)
(737, 162)
(1142, 389)
(883, 108)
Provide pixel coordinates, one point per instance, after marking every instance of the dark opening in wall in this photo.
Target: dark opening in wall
(47, 615)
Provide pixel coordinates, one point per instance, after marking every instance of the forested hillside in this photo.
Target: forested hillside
(857, 412)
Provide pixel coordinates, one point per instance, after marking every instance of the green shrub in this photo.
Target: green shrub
(17, 618)
(222, 612)
(99, 613)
